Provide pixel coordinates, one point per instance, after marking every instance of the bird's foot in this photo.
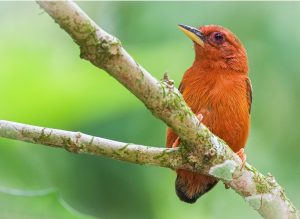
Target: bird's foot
(243, 157)
(176, 143)
(199, 117)
(205, 112)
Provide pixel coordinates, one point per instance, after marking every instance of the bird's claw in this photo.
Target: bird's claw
(199, 117)
(176, 143)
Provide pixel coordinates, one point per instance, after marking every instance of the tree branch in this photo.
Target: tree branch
(201, 151)
(77, 142)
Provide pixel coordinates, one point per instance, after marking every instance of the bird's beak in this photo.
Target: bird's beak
(193, 33)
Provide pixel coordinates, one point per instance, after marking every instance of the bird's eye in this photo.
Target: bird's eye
(218, 37)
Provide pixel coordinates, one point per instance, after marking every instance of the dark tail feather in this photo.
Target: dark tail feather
(190, 186)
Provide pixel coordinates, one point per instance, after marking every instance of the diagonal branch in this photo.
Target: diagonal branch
(160, 97)
(201, 151)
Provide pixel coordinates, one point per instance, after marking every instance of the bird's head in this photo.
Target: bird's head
(217, 47)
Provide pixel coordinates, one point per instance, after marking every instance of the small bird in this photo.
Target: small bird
(218, 90)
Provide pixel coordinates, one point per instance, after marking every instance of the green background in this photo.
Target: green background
(44, 82)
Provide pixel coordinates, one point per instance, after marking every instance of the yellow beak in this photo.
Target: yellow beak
(193, 33)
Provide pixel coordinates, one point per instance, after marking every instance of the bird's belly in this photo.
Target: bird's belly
(224, 105)
(228, 120)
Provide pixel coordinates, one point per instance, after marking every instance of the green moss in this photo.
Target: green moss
(100, 151)
(116, 153)
(159, 156)
(43, 137)
(92, 48)
(262, 186)
(69, 145)
(162, 86)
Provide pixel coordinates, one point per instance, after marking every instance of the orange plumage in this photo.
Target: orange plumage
(216, 86)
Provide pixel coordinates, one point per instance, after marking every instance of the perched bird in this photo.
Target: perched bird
(217, 89)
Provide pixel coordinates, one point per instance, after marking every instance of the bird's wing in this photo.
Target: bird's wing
(249, 93)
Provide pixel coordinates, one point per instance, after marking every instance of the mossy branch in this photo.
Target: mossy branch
(201, 151)
(77, 142)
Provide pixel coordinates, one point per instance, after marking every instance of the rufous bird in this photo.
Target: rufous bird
(217, 89)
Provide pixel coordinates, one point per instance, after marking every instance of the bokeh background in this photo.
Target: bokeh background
(44, 82)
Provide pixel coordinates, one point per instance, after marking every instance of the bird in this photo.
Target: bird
(218, 90)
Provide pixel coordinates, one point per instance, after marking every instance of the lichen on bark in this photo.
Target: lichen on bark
(224, 170)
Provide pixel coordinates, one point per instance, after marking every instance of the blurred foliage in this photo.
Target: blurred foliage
(43, 82)
(31, 205)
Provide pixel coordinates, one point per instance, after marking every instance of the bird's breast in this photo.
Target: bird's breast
(223, 103)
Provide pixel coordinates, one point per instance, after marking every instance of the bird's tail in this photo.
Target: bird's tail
(190, 186)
